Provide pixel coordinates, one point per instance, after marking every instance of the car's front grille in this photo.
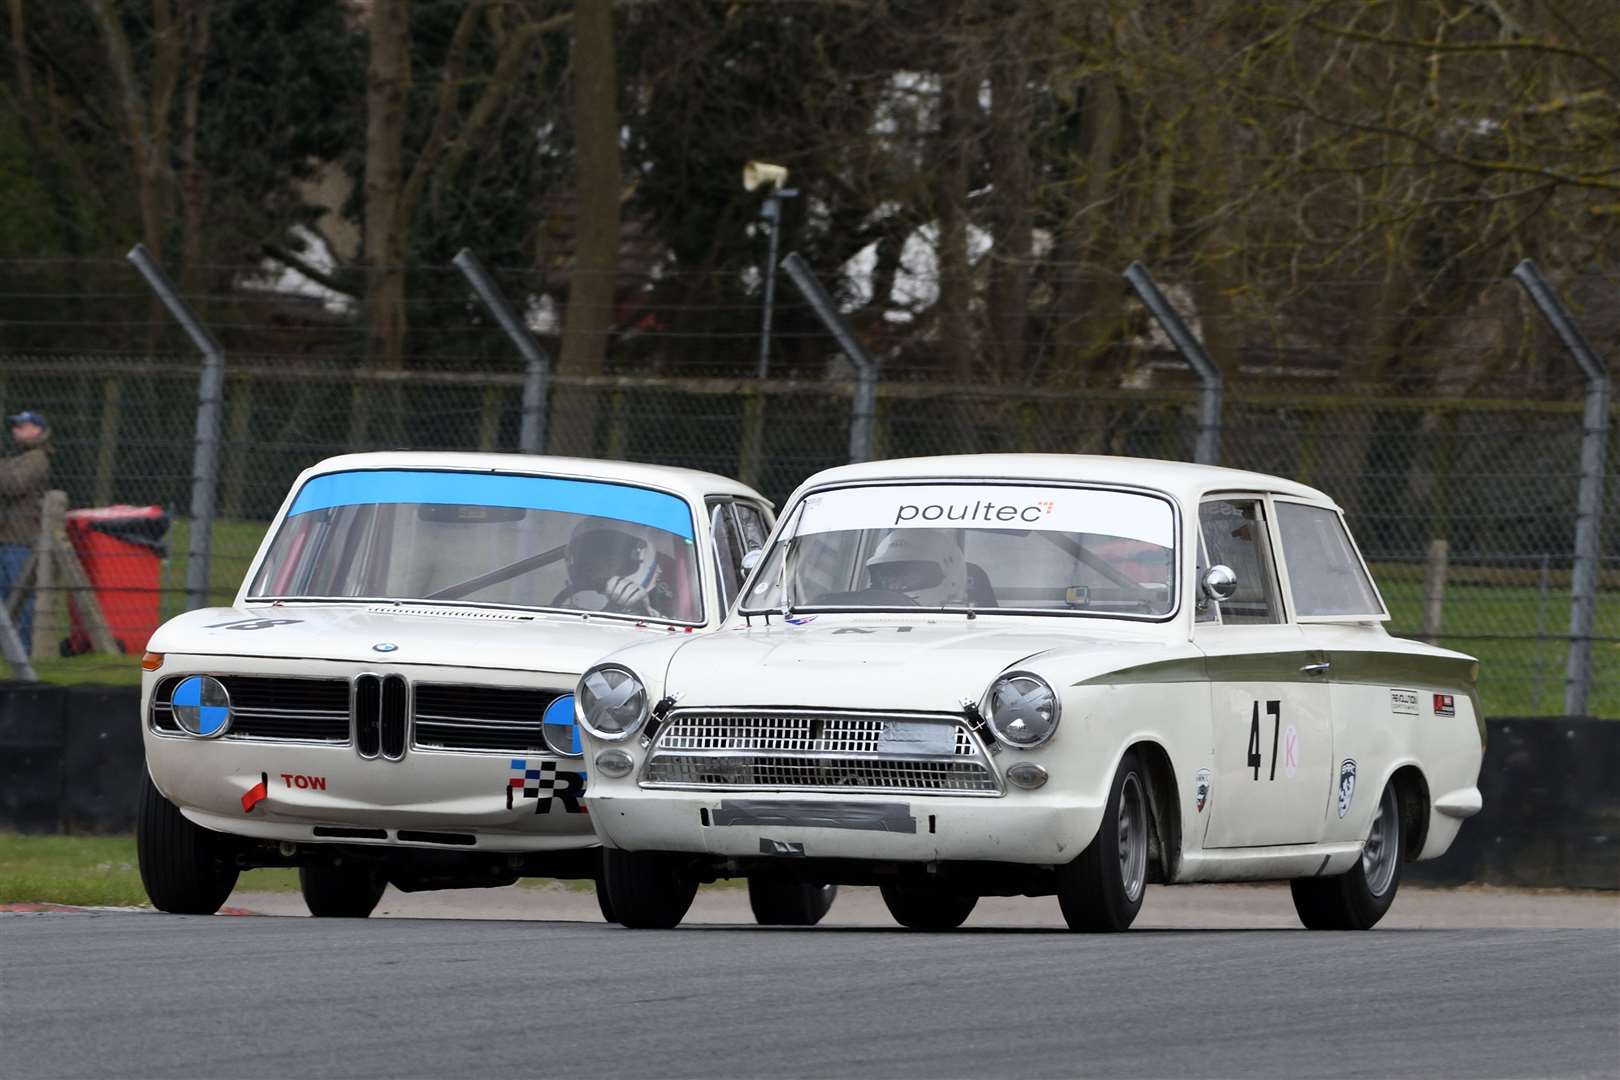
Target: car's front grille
(380, 715)
(451, 717)
(805, 749)
(280, 709)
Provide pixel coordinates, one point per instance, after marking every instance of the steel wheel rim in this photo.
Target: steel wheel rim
(1382, 850)
(1132, 837)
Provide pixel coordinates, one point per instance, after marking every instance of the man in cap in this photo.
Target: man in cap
(24, 478)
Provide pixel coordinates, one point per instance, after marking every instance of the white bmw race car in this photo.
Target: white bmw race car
(1036, 675)
(389, 698)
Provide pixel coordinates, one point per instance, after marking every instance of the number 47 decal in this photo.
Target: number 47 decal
(1273, 710)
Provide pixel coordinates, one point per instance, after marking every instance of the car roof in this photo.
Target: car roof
(691, 483)
(1185, 480)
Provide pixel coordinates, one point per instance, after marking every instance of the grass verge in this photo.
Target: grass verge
(91, 870)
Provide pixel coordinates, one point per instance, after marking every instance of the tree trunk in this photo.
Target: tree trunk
(1013, 177)
(388, 77)
(589, 314)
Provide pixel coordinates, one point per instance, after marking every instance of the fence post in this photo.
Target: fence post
(11, 647)
(536, 364)
(1434, 591)
(1589, 502)
(205, 458)
(863, 406)
(1211, 383)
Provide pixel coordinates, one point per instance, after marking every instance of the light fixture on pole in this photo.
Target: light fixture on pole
(757, 174)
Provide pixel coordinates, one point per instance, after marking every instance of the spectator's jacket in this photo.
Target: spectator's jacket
(24, 478)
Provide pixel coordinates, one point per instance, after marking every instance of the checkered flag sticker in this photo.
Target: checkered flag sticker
(542, 781)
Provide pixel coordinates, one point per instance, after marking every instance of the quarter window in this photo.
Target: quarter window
(1323, 571)
(1235, 536)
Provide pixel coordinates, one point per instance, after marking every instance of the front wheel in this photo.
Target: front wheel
(789, 903)
(186, 868)
(926, 908)
(1359, 897)
(1102, 889)
(341, 892)
(646, 891)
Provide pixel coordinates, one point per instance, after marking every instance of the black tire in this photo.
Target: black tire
(603, 904)
(646, 891)
(789, 903)
(928, 908)
(341, 892)
(187, 869)
(1093, 890)
(1359, 897)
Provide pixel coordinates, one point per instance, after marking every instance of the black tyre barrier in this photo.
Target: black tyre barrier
(71, 761)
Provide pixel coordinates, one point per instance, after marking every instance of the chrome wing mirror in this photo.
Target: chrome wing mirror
(751, 559)
(1220, 583)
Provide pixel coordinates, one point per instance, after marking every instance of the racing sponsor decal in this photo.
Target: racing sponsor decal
(251, 624)
(1445, 705)
(544, 782)
(1290, 751)
(1403, 702)
(800, 620)
(303, 782)
(256, 794)
(1201, 790)
(1347, 785)
(990, 506)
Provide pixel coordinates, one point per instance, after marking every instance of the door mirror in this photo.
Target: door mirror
(1219, 583)
(751, 559)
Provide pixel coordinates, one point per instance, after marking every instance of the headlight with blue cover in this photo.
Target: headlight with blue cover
(558, 729)
(612, 702)
(202, 706)
(1023, 709)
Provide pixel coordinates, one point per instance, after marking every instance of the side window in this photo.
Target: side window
(751, 527)
(727, 551)
(1323, 571)
(1235, 536)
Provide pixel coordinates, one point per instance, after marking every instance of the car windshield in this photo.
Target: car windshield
(980, 546)
(486, 538)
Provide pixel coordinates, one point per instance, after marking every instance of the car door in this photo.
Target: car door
(1270, 706)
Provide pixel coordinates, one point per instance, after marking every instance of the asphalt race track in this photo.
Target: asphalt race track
(120, 994)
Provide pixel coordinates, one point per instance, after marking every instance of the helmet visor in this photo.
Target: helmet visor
(906, 575)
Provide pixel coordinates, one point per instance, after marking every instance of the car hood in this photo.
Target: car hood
(931, 665)
(462, 637)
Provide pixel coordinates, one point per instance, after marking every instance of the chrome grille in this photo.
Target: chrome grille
(495, 718)
(809, 750)
(272, 709)
(380, 715)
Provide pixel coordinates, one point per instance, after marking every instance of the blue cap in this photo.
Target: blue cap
(28, 416)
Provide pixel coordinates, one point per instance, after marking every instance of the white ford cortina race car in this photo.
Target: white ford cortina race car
(1028, 675)
(389, 699)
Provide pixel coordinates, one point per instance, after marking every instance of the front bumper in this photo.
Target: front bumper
(1036, 828)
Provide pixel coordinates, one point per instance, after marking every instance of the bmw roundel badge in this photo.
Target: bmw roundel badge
(384, 646)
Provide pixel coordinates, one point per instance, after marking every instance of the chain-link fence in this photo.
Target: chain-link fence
(1496, 480)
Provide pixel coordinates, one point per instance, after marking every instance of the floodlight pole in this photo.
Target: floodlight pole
(1208, 450)
(536, 362)
(1583, 578)
(205, 458)
(864, 406)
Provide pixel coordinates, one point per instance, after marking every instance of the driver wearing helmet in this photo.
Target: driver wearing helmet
(925, 564)
(610, 568)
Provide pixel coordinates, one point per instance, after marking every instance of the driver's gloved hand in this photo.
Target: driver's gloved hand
(625, 595)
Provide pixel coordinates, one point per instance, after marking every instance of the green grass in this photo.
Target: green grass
(91, 870)
(1517, 677)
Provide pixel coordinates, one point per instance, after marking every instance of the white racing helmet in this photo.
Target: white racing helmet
(925, 564)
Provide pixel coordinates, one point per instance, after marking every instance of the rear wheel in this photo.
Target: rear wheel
(789, 903)
(186, 868)
(1102, 889)
(927, 907)
(646, 891)
(1359, 897)
(341, 892)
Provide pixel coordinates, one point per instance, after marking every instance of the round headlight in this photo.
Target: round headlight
(612, 702)
(1023, 709)
(558, 729)
(202, 706)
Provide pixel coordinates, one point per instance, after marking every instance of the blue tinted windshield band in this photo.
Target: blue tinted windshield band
(617, 502)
